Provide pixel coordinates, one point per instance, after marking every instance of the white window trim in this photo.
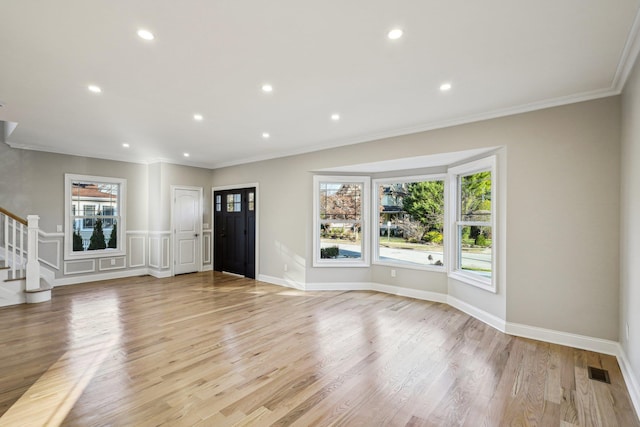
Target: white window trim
(365, 217)
(376, 219)
(69, 254)
(484, 164)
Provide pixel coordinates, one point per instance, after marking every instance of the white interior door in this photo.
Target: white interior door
(187, 230)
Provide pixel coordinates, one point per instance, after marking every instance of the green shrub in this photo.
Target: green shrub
(481, 240)
(330, 252)
(433, 237)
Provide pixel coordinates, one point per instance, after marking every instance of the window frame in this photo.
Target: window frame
(486, 164)
(69, 254)
(375, 232)
(364, 261)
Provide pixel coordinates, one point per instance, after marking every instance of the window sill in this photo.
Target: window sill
(473, 281)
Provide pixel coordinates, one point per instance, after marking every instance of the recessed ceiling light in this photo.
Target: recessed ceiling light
(335, 117)
(145, 34)
(125, 145)
(395, 34)
(265, 135)
(198, 117)
(186, 154)
(445, 87)
(94, 88)
(267, 88)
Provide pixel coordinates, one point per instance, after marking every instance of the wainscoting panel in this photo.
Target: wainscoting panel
(80, 266)
(137, 251)
(112, 263)
(206, 246)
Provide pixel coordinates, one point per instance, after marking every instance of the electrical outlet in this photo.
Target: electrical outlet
(286, 267)
(393, 273)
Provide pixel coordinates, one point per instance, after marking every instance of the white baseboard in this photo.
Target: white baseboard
(410, 293)
(339, 286)
(564, 338)
(633, 385)
(483, 316)
(159, 274)
(288, 283)
(207, 267)
(64, 281)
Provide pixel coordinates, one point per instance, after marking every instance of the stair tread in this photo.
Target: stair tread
(40, 289)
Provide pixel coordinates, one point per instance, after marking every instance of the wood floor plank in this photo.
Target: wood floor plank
(209, 349)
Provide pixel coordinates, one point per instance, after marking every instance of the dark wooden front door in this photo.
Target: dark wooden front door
(235, 231)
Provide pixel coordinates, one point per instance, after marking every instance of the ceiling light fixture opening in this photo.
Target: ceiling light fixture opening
(267, 88)
(186, 154)
(198, 117)
(125, 145)
(266, 135)
(444, 87)
(145, 34)
(94, 89)
(335, 117)
(395, 34)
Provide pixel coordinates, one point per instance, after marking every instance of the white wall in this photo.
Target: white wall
(559, 171)
(630, 225)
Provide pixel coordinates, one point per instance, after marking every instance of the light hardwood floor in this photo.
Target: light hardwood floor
(208, 349)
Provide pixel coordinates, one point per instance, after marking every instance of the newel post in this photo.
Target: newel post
(33, 265)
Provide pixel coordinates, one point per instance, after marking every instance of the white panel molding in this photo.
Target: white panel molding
(64, 281)
(633, 384)
(80, 261)
(207, 267)
(108, 267)
(154, 252)
(206, 246)
(141, 256)
(50, 235)
(288, 283)
(55, 264)
(164, 254)
(564, 338)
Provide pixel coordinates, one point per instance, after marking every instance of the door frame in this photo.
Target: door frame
(258, 210)
(173, 228)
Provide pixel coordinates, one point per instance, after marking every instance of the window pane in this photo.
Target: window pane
(237, 202)
(475, 197)
(230, 204)
(218, 203)
(341, 241)
(411, 222)
(252, 204)
(340, 201)
(93, 203)
(476, 254)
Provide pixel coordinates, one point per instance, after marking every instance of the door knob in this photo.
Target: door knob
(196, 235)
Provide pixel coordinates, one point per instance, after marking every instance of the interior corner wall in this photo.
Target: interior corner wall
(561, 215)
(629, 224)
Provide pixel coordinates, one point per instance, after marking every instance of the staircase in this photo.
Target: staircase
(20, 280)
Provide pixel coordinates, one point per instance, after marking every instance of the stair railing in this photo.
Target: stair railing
(19, 241)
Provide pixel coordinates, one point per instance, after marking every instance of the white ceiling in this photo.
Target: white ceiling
(212, 57)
